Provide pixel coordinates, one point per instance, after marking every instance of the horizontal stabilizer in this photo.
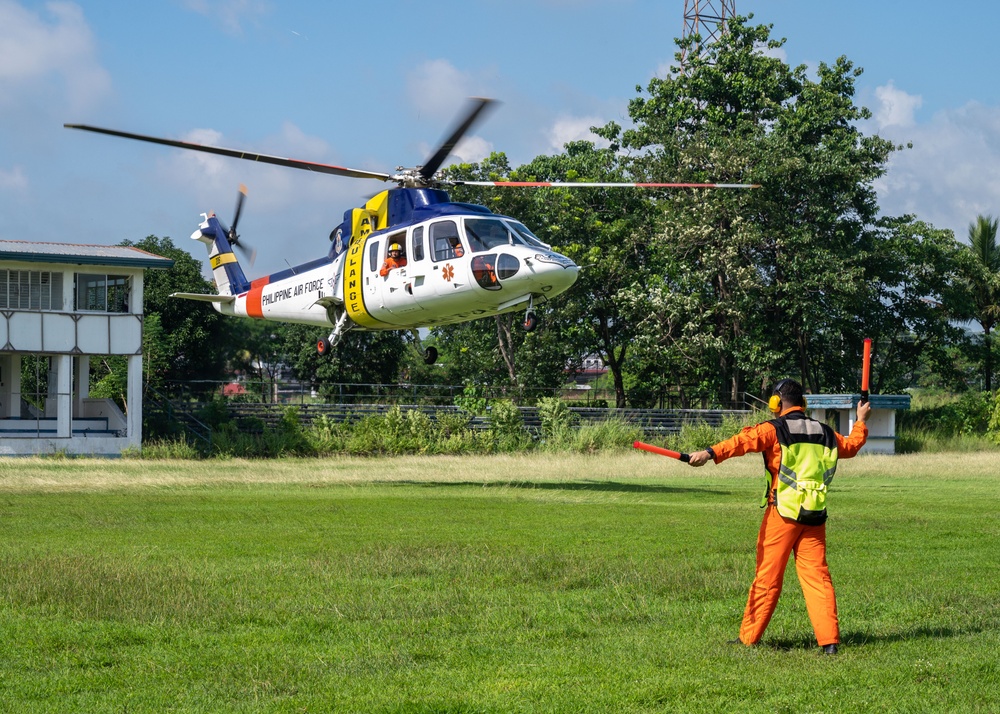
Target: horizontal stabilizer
(205, 298)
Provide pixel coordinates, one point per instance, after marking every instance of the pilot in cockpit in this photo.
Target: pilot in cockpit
(395, 259)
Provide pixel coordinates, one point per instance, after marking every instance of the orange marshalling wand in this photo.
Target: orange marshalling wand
(661, 451)
(866, 369)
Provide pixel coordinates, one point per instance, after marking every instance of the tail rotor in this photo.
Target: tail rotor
(249, 252)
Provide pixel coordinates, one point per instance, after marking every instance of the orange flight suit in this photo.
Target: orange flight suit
(391, 264)
(780, 536)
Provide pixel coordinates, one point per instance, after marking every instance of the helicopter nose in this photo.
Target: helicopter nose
(555, 273)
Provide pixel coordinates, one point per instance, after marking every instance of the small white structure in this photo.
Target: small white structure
(61, 305)
(843, 409)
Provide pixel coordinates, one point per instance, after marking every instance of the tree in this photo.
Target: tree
(767, 282)
(912, 298)
(983, 281)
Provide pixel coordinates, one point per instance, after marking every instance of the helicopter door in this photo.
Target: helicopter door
(372, 284)
(450, 271)
(397, 287)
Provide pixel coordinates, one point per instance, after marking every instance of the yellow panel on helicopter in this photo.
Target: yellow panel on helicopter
(221, 259)
(378, 205)
(362, 225)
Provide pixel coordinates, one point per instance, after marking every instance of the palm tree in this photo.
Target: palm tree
(984, 283)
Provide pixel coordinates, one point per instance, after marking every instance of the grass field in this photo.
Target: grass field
(607, 583)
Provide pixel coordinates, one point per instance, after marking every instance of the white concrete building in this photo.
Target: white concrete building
(62, 305)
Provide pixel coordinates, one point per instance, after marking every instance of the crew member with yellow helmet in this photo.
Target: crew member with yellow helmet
(395, 259)
(800, 459)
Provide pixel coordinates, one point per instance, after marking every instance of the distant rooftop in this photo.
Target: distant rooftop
(115, 255)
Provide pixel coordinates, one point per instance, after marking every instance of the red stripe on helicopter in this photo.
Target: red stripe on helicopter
(567, 184)
(254, 306)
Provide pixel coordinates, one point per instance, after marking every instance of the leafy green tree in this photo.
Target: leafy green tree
(913, 295)
(983, 281)
(766, 282)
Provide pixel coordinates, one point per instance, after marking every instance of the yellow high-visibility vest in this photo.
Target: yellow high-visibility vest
(808, 464)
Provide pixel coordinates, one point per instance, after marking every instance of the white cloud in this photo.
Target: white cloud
(567, 129)
(231, 14)
(471, 149)
(436, 88)
(274, 186)
(896, 107)
(34, 50)
(776, 52)
(951, 174)
(13, 179)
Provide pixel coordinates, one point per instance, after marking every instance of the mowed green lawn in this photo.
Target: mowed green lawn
(569, 583)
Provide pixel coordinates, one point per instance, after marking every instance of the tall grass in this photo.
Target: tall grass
(962, 424)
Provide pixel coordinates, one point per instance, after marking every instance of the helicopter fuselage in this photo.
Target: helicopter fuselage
(462, 262)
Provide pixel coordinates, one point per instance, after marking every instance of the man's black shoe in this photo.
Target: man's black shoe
(737, 641)
(830, 649)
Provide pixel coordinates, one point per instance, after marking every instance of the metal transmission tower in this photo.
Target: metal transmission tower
(707, 19)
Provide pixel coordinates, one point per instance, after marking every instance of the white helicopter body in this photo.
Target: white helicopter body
(463, 262)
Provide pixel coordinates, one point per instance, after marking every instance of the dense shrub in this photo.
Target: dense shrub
(507, 427)
(968, 415)
(557, 420)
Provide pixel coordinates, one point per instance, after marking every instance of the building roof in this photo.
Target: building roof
(114, 255)
(850, 401)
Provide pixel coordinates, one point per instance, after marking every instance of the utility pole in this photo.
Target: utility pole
(707, 19)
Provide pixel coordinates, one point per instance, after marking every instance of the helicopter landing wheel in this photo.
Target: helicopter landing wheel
(430, 355)
(530, 322)
(323, 347)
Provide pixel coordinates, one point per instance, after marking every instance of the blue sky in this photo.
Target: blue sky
(374, 86)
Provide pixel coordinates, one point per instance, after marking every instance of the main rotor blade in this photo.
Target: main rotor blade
(239, 154)
(583, 184)
(434, 163)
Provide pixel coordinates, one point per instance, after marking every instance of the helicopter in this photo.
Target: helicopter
(457, 261)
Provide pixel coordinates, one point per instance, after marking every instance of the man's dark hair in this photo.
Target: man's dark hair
(790, 392)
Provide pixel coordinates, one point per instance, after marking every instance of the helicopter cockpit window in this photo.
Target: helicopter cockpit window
(445, 241)
(417, 244)
(485, 234)
(373, 263)
(528, 237)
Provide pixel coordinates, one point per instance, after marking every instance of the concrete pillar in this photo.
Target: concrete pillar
(12, 408)
(133, 416)
(64, 395)
(4, 385)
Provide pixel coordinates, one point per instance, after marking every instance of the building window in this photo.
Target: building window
(30, 290)
(102, 293)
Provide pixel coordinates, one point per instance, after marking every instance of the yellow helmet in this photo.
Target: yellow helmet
(396, 247)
